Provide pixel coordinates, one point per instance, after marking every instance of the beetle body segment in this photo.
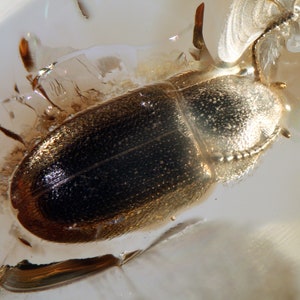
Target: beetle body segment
(137, 159)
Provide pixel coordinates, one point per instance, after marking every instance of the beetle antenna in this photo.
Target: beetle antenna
(284, 18)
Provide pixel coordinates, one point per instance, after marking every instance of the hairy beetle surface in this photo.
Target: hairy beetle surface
(136, 160)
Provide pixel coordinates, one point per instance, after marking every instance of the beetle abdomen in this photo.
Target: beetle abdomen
(113, 169)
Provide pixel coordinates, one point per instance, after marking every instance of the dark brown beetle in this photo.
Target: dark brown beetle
(135, 160)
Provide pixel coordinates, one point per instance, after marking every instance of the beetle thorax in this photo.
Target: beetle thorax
(233, 116)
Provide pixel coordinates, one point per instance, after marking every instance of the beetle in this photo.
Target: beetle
(138, 159)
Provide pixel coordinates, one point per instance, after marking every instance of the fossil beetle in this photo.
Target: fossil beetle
(137, 159)
(141, 157)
